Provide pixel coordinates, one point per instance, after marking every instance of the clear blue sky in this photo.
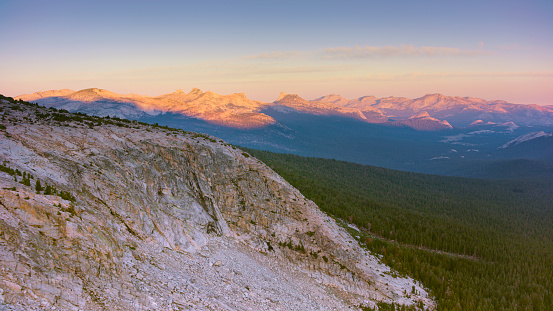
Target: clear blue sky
(489, 49)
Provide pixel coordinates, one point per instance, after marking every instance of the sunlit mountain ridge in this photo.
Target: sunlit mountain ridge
(238, 111)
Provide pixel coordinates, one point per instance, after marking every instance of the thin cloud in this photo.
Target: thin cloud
(363, 52)
(275, 55)
(519, 74)
(360, 52)
(224, 71)
(299, 69)
(419, 75)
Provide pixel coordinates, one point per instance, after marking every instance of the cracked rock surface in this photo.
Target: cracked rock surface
(167, 220)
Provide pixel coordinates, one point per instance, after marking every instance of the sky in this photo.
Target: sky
(487, 49)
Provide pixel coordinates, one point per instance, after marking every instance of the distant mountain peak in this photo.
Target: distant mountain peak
(422, 114)
(290, 98)
(49, 93)
(241, 95)
(432, 98)
(432, 95)
(92, 90)
(422, 121)
(281, 96)
(334, 99)
(92, 94)
(210, 94)
(510, 125)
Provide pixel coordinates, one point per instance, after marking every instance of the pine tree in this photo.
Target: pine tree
(38, 186)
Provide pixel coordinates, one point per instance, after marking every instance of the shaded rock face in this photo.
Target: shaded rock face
(167, 220)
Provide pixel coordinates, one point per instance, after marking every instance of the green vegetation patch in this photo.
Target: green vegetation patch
(476, 244)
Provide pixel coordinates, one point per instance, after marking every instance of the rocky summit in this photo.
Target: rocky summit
(110, 214)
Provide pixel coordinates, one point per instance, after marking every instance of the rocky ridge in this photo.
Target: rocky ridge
(318, 107)
(46, 94)
(422, 121)
(459, 111)
(162, 219)
(363, 104)
(526, 137)
(237, 111)
(234, 110)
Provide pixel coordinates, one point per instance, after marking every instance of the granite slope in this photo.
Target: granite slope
(162, 219)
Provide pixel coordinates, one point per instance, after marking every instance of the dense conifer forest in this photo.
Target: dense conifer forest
(476, 244)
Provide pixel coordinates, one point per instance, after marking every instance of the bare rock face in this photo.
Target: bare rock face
(317, 107)
(160, 219)
(46, 94)
(363, 104)
(235, 110)
(422, 121)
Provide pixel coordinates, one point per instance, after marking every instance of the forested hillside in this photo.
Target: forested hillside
(477, 244)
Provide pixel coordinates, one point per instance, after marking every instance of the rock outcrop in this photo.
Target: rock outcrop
(316, 107)
(129, 216)
(422, 121)
(235, 110)
(363, 104)
(45, 94)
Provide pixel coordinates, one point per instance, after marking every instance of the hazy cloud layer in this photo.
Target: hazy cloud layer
(274, 55)
(361, 52)
(391, 51)
(419, 75)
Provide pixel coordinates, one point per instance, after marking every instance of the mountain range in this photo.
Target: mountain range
(237, 111)
(435, 134)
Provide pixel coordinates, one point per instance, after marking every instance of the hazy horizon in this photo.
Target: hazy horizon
(494, 50)
(268, 101)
